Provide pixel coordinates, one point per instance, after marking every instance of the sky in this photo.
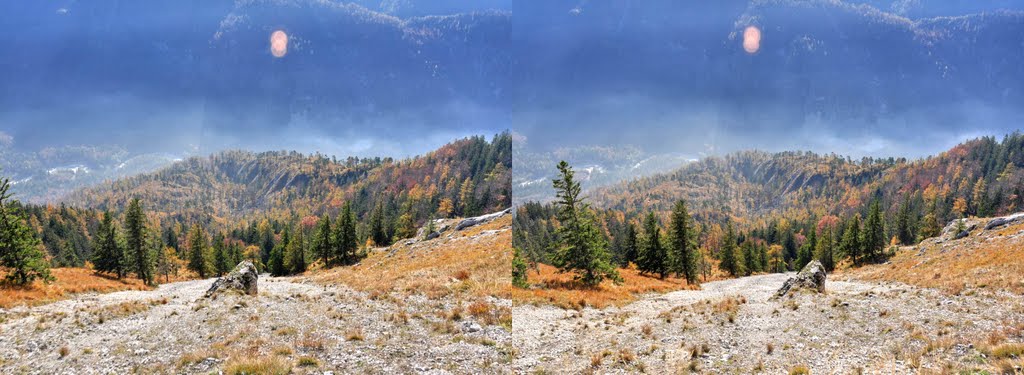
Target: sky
(864, 78)
(401, 77)
(191, 76)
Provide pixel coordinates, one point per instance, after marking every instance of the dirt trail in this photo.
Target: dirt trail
(174, 330)
(878, 328)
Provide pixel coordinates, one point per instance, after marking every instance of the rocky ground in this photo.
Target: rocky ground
(292, 325)
(734, 326)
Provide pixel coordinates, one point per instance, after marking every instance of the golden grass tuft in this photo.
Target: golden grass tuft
(440, 267)
(559, 289)
(68, 281)
(799, 370)
(993, 260)
(1008, 351)
(258, 365)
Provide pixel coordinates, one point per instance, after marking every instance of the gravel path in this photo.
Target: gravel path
(174, 330)
(733, 326)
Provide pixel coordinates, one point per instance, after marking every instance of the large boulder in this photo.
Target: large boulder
(952, 232)
(811, 277)
(241, 279)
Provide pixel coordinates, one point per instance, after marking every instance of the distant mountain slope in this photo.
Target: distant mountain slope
(472, 174)
(596, 166)
(981, 177)
(47, 175)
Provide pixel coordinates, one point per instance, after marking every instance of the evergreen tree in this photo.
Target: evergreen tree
(581, 248)
(322, 243)
(751, 261)
(930, 223)
(276, 261)
(266, 244)
(345, 239)
(221, 258)
(135, 241)
(170, 238)
(728, 262)
(823, 249)
(873, 235)
(155, 248)
(467, 198)
(108, 256)
(377, 230)
(431, 227)
(631, 247)
(762, 251)
(295, 253)
(236, 254)
(684, 244)
(653, 256)
(904, 231)
(850, 244)
(19, 247)
(198, 260)
(518, 269)
(806, 251)
(66, 256)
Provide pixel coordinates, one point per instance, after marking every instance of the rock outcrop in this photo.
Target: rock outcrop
(1005, 220)
(951, 232)
(474, 221)
(242, 279)
(811, 277)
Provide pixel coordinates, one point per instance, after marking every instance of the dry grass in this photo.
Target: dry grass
(975, 261)
(560, 290)
(1008, 351)
(259, 365)
(68, 281)
(458, 266)
(799, 370)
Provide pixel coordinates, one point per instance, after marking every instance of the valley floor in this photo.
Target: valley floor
(292, 325)
(733, 326)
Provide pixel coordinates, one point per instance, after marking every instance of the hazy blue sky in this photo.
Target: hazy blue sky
(400, 77)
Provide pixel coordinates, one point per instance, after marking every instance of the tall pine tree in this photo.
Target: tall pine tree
(322, 243)
(221, 258)
(108, 256)
(198, 259)
(378, 231)
(850, 244)
(684, 244)
(135, 241)
(19, 247)
(345, 242)
(873, 235)
(728, 256)
(581, 247)
(653, 256)
(295, 253)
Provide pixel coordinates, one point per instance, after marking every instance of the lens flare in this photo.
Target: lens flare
(278, 43)
(751, 39)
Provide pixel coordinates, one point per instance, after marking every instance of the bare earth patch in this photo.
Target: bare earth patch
(439, 306)
(733, 326)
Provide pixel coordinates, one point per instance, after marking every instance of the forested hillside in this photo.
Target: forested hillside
(981, 177)
(758, 211)
(257, 200)
(465, 177)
